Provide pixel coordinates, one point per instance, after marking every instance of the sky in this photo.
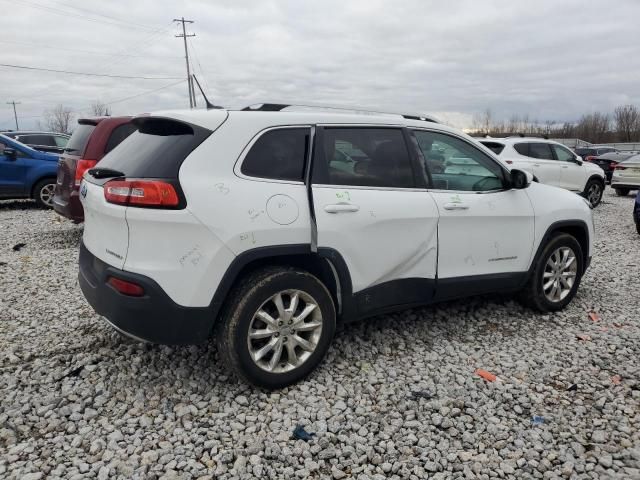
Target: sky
(548, 59)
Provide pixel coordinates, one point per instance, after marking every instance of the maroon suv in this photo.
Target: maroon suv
(92, 139)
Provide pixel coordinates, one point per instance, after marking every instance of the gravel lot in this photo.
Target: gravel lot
(397, 396)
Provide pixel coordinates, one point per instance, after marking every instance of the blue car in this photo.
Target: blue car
(27, 173)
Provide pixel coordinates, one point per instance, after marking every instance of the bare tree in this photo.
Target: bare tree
(100, 109)
(627, 121)
(594, 127)
(59, 119)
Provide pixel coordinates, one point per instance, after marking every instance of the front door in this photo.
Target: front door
(13, 171)
(574, 176)
(485, 233)
(372, 211)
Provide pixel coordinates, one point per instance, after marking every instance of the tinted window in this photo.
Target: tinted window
(373, 157)
(457, 165)
(79, 139)
(156, 150)
(563, 154)
(522, 148)
(118, 135)
(541, 151)
(495, 147)
(278, 154)
(61, 141)
(42, 140)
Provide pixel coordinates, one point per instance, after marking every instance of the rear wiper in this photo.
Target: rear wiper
(105, 173)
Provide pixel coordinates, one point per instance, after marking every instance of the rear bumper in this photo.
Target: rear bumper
(629, 186)
(153, 317)
(71, 207)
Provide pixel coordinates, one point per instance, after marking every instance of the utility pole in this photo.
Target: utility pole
(15, 115)
(186, 57)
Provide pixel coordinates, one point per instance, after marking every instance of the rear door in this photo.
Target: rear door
(370, 208)
(484, 229)
(544, 166)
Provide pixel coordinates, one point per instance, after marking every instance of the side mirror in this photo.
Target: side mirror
(578, 160)
(10, 153)
(520, 179)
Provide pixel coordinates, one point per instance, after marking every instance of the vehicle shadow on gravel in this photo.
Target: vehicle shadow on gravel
(19, 205)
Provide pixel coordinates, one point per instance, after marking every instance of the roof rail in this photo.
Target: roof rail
(277, 107)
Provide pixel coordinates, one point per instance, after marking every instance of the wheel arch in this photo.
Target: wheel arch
(326, 264)
(32, 189)
(596, 177)
(576, 228)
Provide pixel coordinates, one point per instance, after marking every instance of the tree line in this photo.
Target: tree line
(623, 125)
(62, 119)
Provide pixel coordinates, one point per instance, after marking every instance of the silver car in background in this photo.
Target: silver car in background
(626, 176)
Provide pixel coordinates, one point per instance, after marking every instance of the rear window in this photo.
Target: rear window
(40, 140)
(156, 149)
(495, 147)
(118, 135)
(278, 154)
(78, 141)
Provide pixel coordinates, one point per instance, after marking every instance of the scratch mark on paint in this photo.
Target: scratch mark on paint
(469, 259)
(455, 199)
(343, 195)
(248, 237)
(222, 188)
(192, 257)
(253, 213)
(372, 213)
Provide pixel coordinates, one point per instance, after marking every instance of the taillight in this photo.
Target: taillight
(141, 193)
(619, 167)
(125, 287)
(589, 158)
(81, 167)
(612, 165)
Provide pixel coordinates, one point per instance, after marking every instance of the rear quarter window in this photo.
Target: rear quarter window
(118, 134)
(495, 147)
(80, 138)
(278, 154)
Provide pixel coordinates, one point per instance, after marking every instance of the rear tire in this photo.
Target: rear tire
(269, 339)
(593, 191)
(555, 270)
(43, 192)
(622, 192)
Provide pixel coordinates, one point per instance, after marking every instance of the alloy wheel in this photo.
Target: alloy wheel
(285, 331)
(46, 194)
(559, 274)
(594, 193)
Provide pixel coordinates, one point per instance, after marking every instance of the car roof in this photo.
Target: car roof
(32, 132)
(212, 118)
(515, 140)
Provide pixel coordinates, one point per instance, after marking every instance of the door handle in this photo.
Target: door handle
(565, 166)
(536, 164)
(341, 207)
(456, 206)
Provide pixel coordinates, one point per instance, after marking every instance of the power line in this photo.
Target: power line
(67, 13)
(145, 93)
(90, 52)
(103, 15)
(85, 73)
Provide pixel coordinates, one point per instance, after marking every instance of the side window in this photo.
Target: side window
(563, 154)
(278, 154)
(61, 141)
(2, 147)
(372, 157)
(541, 151)
(42, 140)
(522, 148)
(495, 147)
(118, 135)
(457, 165)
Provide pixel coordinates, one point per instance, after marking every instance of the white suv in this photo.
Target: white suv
(262, 228)
(552, 163)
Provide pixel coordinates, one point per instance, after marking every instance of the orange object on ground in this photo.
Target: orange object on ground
(488, 376)
(594, 316)
(616, 379)
(584, 338)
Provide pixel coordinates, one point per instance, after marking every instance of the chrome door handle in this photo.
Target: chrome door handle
(341, 207)
(456, 206)
(536, 164)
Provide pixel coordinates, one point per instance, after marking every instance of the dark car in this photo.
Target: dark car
(92, 139)
(43, 141)
(636, 212)
(608, 161)
(587, 152)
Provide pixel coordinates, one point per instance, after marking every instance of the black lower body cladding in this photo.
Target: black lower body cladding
(153, 317)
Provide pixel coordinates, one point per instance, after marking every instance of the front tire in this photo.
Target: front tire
(556, 275)
(622, 192)
(43, 192)
(593, 191)
(277, 327)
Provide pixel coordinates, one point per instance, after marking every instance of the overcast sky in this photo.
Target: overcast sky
(552, 60)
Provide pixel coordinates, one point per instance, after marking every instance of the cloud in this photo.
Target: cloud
(553, 60)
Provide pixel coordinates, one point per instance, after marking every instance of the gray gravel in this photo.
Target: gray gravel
(396, 398)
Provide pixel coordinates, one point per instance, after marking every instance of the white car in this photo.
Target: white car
(262, 228)
(551, 163)
(626, 176)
